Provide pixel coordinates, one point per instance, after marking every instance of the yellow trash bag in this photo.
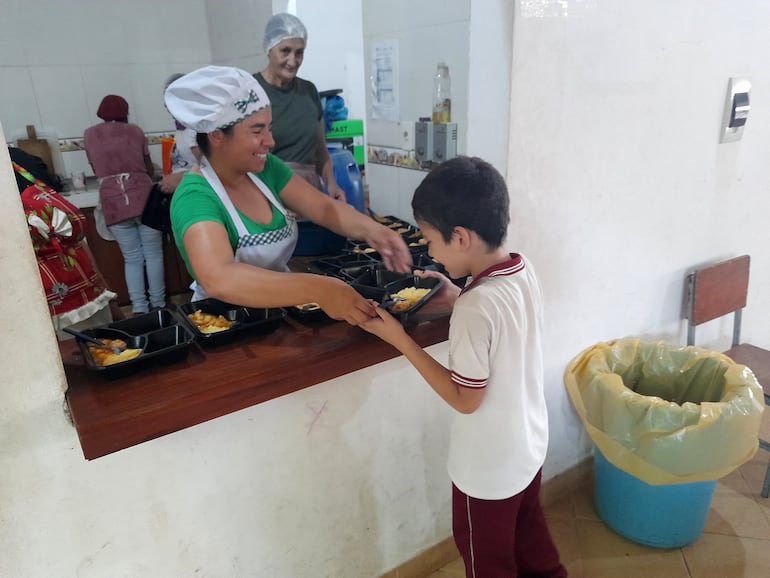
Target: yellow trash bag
(666, 414)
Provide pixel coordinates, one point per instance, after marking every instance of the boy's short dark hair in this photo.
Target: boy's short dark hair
(464, 192)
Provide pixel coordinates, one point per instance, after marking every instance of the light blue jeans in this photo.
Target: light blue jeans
(141, 246)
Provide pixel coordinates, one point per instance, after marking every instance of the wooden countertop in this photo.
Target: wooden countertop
(214, 381)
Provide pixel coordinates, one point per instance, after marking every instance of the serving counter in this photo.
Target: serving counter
(215, 381)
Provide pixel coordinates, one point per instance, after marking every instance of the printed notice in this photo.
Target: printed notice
(384, 81)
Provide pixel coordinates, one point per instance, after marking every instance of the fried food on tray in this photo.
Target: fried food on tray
(380, 219)
(308, 307)
(208, 323)
(410, 295)
(418, 243)
(104, 356)
(365, 250)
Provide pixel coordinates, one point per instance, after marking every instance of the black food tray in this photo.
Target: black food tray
(425, 263)
(307, 316)
(370, 281)
(405, 317)
(332, 265)
(161, 335)
(384, 220)
(374, 275)
(248, 320)
(359, 250)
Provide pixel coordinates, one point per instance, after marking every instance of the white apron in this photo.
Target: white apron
(269, 250)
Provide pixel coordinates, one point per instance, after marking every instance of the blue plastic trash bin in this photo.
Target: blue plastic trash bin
(667, 422)
(636, 509)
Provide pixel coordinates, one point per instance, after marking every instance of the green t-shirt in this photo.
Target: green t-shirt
(195, 200)
(297, 113)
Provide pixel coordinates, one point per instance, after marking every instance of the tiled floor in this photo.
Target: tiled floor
(734, 544)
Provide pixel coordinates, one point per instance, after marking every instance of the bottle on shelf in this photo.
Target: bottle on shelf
(442, 99)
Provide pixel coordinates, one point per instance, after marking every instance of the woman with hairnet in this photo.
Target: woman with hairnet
(298, 126)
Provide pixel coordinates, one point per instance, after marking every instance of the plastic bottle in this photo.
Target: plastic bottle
(442, 99)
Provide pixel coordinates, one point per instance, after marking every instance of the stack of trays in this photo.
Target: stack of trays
(161, 336)
(241, 320)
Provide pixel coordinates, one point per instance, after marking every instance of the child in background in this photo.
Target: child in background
(495, 376)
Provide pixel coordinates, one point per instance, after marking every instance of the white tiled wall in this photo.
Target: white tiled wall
(59, 59)
(236, 28)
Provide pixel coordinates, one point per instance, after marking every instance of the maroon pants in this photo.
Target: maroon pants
(505, 538)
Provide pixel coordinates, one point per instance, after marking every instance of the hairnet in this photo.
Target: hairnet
(283, 26)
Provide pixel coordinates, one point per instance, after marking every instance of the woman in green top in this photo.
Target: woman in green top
(298, 126)
(230, 217)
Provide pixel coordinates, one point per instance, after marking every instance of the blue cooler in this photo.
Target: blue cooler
(667, 516)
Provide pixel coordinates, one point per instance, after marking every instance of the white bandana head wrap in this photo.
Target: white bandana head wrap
(214, 97)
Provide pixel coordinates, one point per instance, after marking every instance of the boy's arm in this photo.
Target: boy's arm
(462, 399)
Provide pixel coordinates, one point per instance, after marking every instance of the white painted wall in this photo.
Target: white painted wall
(619, 185)
(335, 45)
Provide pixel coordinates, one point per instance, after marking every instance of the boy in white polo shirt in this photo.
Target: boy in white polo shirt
(495, 375)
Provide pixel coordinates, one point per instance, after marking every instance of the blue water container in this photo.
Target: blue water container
(667, 516)
(348, 177)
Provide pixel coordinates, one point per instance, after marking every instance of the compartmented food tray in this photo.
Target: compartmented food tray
(161, 335)
(241, 320)
(424, 262)
(308, 313)
(331, 266)
(411, 281)
(370, 281)
(374, 275)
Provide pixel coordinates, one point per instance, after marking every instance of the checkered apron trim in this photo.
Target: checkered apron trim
(268, 237)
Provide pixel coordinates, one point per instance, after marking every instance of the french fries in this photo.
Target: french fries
(104, 356)
(208, 323)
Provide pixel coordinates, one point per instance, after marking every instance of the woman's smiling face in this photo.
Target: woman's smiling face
(250, 141)
(285, 58)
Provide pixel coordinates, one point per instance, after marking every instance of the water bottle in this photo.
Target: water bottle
(442, 99)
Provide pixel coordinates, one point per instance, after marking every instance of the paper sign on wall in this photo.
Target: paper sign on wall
(384, 81)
